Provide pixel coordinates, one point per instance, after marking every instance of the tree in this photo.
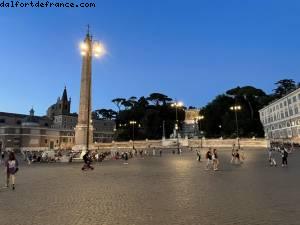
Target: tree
(118, 102)
(158, 99)
(105, 114)
(284, 87)
(218, 113)
(132, 101)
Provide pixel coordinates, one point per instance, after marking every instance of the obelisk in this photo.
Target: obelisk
(84, 127)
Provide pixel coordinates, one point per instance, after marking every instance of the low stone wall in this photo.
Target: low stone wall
(246, 143)
(227, 143)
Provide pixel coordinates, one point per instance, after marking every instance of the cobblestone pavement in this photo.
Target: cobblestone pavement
(171, 190)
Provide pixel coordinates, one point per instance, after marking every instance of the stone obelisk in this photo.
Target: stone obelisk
(84, 127)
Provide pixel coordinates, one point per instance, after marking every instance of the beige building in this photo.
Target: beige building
(281, 118)
(54, 131)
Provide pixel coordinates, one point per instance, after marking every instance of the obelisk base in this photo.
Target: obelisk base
(81, 137)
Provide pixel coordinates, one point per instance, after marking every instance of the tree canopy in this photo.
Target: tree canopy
(152, 111)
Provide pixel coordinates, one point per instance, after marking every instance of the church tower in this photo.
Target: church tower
(65, 103)
(84, 127)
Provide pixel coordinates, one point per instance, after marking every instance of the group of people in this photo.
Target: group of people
(11, 167)
(212, 159)
(284, 151)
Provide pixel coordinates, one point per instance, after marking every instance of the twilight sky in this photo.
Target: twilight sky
(191, 50)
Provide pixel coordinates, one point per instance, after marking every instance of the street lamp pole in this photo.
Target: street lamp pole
(176, 105)
(164, 132)
(133, 122)
(199, 118)
(236, 108)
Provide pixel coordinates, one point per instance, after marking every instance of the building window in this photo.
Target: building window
(46, 141)
(294, 99)
(19, 122)
(284, 103)
(291, 112)
(296, 110)
(2, 120)
(289, 101)
(280, 105)
(56, 141)
(286, 114)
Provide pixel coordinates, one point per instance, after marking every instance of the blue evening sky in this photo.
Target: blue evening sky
(189, 50)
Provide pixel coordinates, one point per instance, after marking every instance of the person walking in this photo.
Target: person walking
(12, 167)
(125, 157)
(284, 156)
(198, 156)
(232, 154)
(160, 152)
(237, 156)
(215, 160)
(2, 156)
(272, 160)
(87, 161)
(208, 158)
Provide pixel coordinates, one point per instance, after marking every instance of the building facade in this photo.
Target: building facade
(54, 131)
(281, 118)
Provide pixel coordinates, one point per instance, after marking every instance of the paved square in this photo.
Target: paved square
(171, 190)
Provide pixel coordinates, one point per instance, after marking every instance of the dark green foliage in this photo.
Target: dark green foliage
(284, 86)
(104, 114)
(219, 120)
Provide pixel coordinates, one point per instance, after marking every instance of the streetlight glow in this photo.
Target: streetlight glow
(83, 46)
(236, 108)
(177, 104)
(99, 49)
(132, 122)
(200, 117)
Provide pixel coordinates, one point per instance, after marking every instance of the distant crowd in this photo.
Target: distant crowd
(11, 163)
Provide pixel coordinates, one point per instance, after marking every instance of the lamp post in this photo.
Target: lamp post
(89, 49)
(236, 108)
(199, 119)
(132, 122)
(177, 105)
(164, 132)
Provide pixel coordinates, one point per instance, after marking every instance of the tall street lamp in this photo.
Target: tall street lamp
(236, 108)
(132, 122)
(199, 119)
(177, 105)
(89, 49)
